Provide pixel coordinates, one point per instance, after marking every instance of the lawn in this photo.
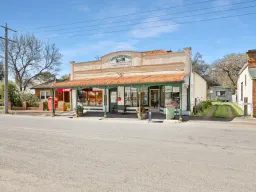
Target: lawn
(237, 111)
(221, 111)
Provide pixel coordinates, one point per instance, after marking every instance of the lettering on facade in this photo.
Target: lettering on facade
(120, 60)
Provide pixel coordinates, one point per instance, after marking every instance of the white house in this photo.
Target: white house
(246, 85)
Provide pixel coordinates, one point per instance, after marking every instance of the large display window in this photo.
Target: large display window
(90, 97)
(131, 96)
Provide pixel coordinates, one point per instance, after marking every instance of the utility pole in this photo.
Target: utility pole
(6, 66)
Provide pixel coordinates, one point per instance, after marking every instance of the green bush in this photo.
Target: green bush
(13, 93)
(202, 106)
(31, 99)
(45, 105)
(68, 105)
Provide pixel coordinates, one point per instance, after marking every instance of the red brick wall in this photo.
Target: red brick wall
(254, 97)
(252, 62)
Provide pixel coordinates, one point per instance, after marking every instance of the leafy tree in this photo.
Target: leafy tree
(45, 76)
(29, 58)
(64, 77)
(228, 67)
(13, 93)
(199, 65)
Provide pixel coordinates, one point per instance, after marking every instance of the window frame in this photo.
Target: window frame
(45, 95)
(242, 90)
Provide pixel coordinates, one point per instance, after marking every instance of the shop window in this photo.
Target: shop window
(44, 94)
(131, 96)
(90, 97)
(144, 96)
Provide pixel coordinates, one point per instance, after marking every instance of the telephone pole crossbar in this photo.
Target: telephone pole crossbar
(6, 66)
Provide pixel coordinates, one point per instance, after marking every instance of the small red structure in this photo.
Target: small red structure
(50, 103)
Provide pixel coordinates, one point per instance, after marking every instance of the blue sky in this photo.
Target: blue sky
(86, 40)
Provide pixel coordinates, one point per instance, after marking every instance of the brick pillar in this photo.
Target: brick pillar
(254, 98)
(25, 105)
(9, 105)
(41, 106)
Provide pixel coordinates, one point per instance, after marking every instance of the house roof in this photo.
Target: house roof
(44, 85)
(252, 72)
(155, 52)
(122, 80)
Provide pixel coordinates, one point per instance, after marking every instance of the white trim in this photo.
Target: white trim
(45, 91)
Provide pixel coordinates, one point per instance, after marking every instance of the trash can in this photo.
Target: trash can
(50, 103)
(170, 111)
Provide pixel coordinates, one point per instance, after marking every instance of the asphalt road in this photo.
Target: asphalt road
(57, 154)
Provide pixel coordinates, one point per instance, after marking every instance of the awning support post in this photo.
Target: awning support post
(53, 102)
(180, 119)
(105, 102)
(76, 101)
(139, 103)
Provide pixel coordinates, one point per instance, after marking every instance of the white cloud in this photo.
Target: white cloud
(152, 27)
(98, 48)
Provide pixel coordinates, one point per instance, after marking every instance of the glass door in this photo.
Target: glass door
(154, 99)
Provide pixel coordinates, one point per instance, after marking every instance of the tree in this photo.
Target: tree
(29, 58)
(228, 67)
(64, 77)
(1, 71)
(199, 65)
(13, 93)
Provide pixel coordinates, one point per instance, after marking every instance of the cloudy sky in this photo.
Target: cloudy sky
(84, 30)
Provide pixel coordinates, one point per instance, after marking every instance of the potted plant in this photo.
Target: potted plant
(143, 113)
(79, 110)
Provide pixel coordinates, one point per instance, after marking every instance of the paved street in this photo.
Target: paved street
(60, 154)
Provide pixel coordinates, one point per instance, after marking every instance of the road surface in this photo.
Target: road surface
(60, 154)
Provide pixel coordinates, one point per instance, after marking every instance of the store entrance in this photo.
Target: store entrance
(113, 100)
(154, 100)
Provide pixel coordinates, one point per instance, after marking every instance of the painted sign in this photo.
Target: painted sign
(120, 61)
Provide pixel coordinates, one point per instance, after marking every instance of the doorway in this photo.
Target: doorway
(154, 100)
(113, 100)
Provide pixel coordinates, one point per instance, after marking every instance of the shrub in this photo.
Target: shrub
(68, 105)
(45, 105)
(13, 93)
(31, 99)
(202, 106)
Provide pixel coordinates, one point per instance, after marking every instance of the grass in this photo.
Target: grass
(221, 111)
(237, 111)
(1, 107)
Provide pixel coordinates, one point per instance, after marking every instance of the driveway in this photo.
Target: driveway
(61, 154)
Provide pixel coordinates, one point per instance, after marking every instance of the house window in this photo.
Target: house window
(220, 93)
(242, 91)
(90, 97)
(44, 94)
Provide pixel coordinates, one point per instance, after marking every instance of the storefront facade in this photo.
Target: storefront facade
(125, 80)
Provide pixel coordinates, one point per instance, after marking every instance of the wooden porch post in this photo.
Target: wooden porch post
(180, 103)
(139, 102)
(53, 100)
(105, 102)
(76, 101)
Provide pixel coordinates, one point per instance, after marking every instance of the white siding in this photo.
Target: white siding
(247, 90)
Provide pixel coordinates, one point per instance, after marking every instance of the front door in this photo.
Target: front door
(154, 99)
(113, 100)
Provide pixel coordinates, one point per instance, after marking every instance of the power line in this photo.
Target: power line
(202, 20)
(167, 19)
(195, 10)
(136, 13)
